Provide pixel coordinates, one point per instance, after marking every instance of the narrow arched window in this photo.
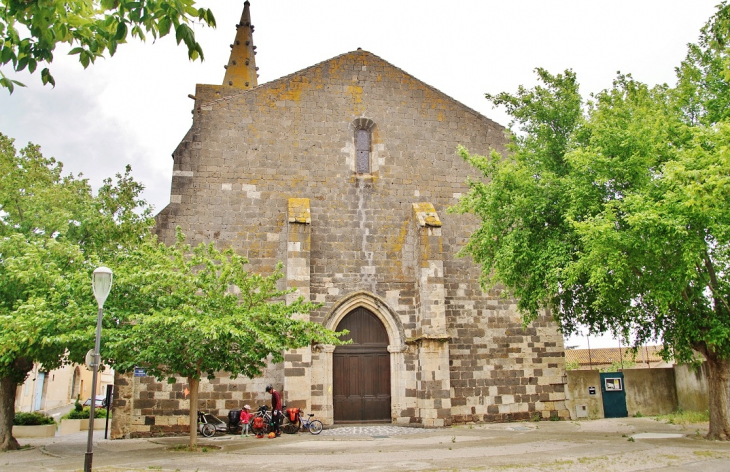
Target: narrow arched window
(362, 146)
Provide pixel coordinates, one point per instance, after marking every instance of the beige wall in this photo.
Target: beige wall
(650, 391)
(692, 394)
(577, 397)
(58, 389)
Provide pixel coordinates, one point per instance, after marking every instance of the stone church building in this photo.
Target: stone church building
(344, 172)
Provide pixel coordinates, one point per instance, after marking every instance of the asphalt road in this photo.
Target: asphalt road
(626, 444)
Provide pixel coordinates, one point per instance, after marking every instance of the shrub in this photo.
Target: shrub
(77, 405)
(617, 366)
(84, 414)
(685, 417)
(32, 419)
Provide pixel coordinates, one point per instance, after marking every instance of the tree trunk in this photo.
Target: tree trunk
(194, 383)
(719, 389)
(8, 387)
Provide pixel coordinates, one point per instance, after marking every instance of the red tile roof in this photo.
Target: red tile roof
(609, 355)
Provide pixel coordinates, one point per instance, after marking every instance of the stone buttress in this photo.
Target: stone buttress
(432, 338)
(298, 362)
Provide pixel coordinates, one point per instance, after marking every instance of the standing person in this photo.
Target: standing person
(275, 408)
(245, 418)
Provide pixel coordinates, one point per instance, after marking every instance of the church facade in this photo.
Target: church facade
(344, 172)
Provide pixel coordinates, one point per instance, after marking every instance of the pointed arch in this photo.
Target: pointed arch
(379, 307)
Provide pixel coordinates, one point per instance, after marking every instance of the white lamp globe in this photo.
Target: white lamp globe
(101, 283)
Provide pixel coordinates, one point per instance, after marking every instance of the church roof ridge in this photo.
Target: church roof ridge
(449, 97)
(357, 51)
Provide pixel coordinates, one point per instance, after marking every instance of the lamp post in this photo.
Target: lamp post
(101, 283)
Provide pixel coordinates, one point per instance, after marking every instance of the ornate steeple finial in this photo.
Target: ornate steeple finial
(241, 68)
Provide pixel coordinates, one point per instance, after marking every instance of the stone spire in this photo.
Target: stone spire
(241, 68)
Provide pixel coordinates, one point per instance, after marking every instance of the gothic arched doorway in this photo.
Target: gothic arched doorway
(361, 371)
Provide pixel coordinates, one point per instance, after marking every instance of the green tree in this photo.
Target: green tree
(193, 313)
(617, 366)
(614, 214)
(52, 231)
(30, 30)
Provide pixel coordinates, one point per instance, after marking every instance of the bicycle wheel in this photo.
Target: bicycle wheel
(290, 427)
(315, 427)
(208, 430)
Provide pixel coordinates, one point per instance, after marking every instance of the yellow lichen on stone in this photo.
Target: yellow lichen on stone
(299, 211)
(291, 91)
(356, 94)
(396, 245)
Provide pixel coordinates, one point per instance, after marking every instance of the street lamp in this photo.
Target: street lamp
(101, 283)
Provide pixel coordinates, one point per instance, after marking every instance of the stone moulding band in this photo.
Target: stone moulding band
(426, 337)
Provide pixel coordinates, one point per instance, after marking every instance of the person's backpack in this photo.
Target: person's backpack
(292, 413)
(258, 422)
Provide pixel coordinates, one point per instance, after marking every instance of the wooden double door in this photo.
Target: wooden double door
(361, 371)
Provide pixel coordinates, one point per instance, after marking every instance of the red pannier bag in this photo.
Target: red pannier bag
(258, 422)
(293, 413)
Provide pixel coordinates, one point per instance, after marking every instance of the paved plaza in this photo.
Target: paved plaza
(626, 444)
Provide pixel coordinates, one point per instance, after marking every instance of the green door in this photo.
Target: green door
(614, 395)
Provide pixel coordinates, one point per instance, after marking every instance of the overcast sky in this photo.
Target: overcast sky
(133, 108)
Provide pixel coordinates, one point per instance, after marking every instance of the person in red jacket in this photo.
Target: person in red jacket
(245, 418)
(276, 415)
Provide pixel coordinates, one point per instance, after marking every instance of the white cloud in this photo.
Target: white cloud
(133, 108)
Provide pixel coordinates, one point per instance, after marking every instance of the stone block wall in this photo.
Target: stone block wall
(144, 407)
(457, 354)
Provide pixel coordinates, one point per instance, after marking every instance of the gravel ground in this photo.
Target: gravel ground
(598, 445)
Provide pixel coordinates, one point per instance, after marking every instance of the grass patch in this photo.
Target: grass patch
(588, 460)
(185, 448)
(559, 464)
(685, 417)
(705, 453)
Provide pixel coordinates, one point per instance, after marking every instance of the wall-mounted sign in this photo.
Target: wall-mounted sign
(591, 390)
(139, 372)
(614, 384)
